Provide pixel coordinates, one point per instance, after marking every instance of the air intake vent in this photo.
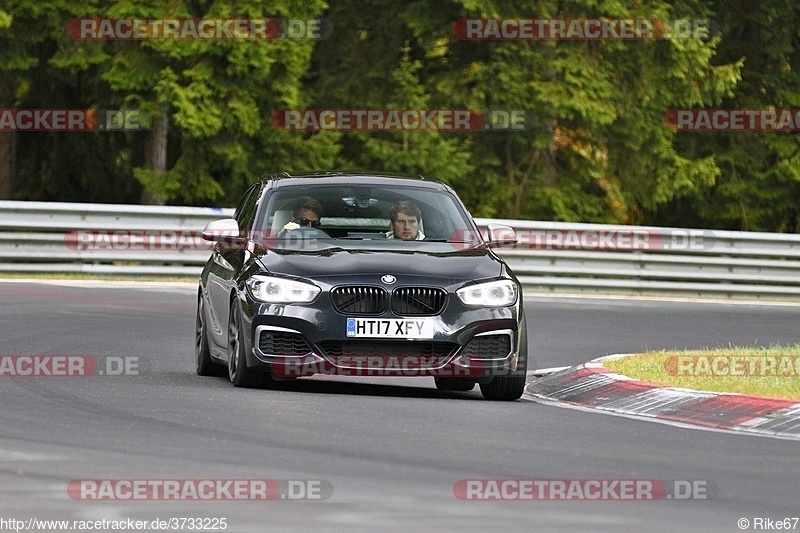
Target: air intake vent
(418, 301)
(489, 347)
(359, 300)
(282, 343)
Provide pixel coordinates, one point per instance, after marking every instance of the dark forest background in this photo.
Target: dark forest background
(599, 151)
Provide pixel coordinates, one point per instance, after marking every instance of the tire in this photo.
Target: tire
(510, 387)
(454, 384)
(204, 365)
(239, 374)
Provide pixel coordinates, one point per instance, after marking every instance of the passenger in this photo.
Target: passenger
(405, 217)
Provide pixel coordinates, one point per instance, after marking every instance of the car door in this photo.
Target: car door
(226, 264)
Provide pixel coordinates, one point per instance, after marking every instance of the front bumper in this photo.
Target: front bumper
(303, 340)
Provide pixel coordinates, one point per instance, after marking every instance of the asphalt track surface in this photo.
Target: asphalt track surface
(391, 449)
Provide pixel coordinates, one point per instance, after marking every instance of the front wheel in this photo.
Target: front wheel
(204, 365)
(511, 386)
(240, 375)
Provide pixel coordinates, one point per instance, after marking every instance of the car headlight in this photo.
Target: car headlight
(493, 294)
(281, 291)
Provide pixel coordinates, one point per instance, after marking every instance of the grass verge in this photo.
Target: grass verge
(773, 371)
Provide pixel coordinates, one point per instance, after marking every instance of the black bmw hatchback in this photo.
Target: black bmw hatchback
(349, 274)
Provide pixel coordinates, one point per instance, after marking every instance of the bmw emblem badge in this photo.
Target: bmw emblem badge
(388, 279)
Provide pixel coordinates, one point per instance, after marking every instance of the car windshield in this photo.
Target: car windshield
(359, 213)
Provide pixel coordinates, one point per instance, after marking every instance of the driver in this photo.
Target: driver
(405, 217)
(307, 213)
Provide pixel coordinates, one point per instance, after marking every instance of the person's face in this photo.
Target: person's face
(307, 214)
(405, 227)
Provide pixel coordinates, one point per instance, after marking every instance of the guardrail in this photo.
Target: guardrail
(550, 256)
(675, 261)
(43, 237)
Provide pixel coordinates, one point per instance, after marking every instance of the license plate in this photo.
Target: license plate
(392, 328)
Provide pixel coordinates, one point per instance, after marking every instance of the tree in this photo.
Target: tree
(205, 105)
(24, 29)
(595, 147)
(759, 183)
(599, 149)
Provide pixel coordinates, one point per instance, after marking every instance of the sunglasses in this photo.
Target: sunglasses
(307, 222)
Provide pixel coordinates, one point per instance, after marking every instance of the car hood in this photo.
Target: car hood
(440, 261)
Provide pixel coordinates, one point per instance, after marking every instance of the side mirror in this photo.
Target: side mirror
(500, 235)
(225, 231)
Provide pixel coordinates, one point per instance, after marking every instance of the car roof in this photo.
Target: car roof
(353, 178)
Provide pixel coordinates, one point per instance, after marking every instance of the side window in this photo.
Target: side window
(247, 208)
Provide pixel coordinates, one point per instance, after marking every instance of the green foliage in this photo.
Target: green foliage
(412, 152)
(759, 173)
(5, 19)
(596, 147)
